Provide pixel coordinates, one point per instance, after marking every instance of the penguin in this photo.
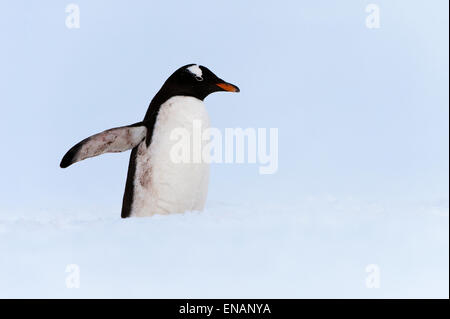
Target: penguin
(155, 183)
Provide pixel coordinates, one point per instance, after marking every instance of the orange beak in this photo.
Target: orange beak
(228, 87)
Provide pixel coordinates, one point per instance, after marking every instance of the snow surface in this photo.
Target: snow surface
(319, 248)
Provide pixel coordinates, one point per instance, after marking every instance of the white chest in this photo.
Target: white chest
(162, 185)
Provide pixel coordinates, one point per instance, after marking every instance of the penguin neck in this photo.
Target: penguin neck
(163, 95)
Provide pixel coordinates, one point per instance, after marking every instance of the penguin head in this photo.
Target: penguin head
(197, 81)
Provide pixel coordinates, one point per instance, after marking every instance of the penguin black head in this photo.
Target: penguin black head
(195, 80)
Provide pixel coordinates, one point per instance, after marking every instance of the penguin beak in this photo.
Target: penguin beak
(224, 86)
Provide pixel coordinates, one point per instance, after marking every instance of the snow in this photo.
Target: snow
(318, 247)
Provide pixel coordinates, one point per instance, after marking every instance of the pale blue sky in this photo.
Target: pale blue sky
(361, 112)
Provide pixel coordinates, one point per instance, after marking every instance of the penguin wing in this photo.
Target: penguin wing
(114, 140)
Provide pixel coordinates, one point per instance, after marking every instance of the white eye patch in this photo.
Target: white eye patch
(196, 71)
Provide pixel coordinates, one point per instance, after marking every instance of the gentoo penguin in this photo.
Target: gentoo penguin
(155, 183)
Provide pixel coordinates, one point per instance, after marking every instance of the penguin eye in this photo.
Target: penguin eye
(198, 78)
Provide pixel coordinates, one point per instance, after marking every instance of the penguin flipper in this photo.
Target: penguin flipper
(114, 140)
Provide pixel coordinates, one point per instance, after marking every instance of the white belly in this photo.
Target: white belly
(161, 185)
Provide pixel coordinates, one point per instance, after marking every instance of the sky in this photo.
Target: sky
(362, 114)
